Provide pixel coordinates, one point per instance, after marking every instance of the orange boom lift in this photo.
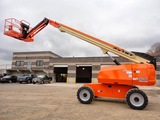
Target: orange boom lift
(114, 81)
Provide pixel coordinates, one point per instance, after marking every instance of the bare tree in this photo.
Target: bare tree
(154, 50)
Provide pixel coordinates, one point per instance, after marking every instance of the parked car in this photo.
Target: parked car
(41, 79)
(9, 78)
(26, 78)
(2, 75)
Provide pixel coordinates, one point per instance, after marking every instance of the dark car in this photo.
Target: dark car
(26, 78)
(42, 79)
(1, 76)
(9, 78)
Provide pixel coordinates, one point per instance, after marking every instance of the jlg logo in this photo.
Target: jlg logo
(141, 79)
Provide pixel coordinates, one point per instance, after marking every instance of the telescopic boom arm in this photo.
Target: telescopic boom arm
(25, 33)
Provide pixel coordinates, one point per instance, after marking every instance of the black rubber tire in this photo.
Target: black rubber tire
(10, 81)
(42, 82)
(136, 99)
(85, 95)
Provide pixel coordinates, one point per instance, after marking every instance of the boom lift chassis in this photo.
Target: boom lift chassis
(114, 81)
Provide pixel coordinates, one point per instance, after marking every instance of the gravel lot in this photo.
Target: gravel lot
(58, 102)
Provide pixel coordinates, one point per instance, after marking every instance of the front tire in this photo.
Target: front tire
(34, 82)
(85, 95)
(136, 99)
(42, 82)
(10, 81)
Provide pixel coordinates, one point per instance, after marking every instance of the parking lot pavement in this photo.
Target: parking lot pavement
(57, 101)
(64, 85)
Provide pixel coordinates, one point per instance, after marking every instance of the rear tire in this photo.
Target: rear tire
(136, 99)
(85, 95)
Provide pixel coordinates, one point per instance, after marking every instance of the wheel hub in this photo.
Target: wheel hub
(136, 99)
(84, 95)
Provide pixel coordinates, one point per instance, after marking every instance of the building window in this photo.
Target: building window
(158, 68)
(19, 63)
(39, 63)
(158, 76)
(29, 65)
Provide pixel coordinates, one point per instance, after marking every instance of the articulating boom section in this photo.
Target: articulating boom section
(21, 30)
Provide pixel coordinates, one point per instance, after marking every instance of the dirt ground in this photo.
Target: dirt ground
(58, 102)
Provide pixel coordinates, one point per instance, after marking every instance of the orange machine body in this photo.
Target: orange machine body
(116, 81)
(129, 74)
(109, 90)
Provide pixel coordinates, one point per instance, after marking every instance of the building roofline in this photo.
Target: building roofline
(35, 52)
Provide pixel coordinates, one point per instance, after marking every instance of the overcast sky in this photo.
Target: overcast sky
(130, 24)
